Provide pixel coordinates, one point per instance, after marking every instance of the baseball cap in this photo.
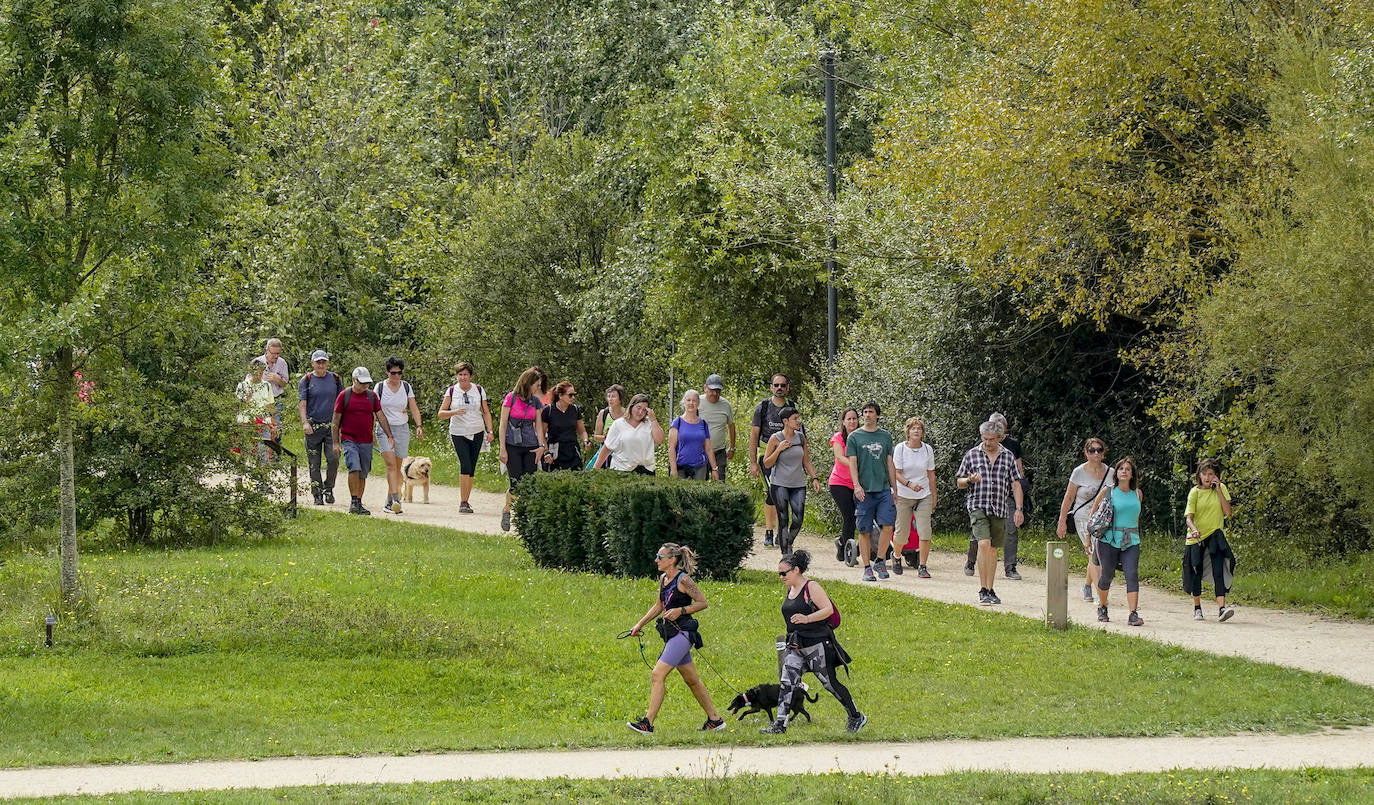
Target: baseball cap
(319, 355)
(361, 375)
(715, 382)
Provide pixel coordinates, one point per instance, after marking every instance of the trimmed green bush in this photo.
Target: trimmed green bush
(612, 522)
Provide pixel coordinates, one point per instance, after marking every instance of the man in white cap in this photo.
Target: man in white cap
(355, 410)
(720, 421)
(318, 390)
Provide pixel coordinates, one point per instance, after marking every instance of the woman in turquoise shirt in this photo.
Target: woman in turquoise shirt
(1121, 543)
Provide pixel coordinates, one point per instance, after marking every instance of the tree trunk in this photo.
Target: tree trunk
(71, 589)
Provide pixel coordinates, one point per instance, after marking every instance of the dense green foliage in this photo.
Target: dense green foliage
(612, 522)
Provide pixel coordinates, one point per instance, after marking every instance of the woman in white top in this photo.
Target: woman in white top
(632, 438)
(469, 426)
(398, 401)
(915, 464)
(1086, 480)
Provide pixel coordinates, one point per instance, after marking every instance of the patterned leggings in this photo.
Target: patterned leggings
(819, 660)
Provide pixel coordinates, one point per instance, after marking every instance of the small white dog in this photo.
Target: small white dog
(415, 473)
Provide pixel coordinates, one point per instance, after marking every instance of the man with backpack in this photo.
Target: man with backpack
(767, 420)
(355, 411)
(318, 390)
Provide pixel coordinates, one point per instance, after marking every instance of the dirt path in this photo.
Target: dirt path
(1330, 749)
(1294, 639)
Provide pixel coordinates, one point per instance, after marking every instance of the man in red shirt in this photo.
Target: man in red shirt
(355, 410)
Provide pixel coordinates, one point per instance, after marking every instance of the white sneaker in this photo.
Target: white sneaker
(1197, 614)
(1225, 615)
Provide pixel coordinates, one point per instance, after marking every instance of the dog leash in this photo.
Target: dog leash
(700, 652)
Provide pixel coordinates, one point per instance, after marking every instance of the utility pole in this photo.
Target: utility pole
(831, 298)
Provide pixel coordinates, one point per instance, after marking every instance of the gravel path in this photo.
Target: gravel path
(1331, 749)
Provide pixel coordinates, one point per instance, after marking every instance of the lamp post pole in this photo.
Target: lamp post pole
(831, 299)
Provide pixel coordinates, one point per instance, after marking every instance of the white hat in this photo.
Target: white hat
(319, 355)
(362, 375)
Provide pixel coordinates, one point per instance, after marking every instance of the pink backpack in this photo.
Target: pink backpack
(834, 620)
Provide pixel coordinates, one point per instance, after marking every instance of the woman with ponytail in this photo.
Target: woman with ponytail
(678, 598)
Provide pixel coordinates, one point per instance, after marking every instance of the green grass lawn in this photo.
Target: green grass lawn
(376, 637)
(1183, 787)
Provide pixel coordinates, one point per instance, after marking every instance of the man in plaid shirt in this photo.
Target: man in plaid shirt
(989, 474)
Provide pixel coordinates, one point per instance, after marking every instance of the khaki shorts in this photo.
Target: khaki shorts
(985, 527)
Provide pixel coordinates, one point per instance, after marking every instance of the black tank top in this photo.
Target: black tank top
(670, 596)
(808, 634)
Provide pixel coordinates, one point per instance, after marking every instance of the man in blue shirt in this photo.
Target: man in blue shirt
(317, 391)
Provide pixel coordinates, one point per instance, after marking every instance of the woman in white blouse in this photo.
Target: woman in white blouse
(914, 461)
(632, 438)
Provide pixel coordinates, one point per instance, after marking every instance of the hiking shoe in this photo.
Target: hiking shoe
(362, 509)
(922, 572)
(1012, 574)
(992, 597)
(394, 507)
(768, 539)
(464, 508)
(839, 549)
(355, 506)
(329, 497)
(983, 596)
(1102, 615)
(897, 565)
(1088, 593)
(851, 553)
(1197, 614)
(776, 728)
(319, 499)
(505, 526)
(855, 723)
(968, 570)
(868, 574)
(642, 726)
(712, 725)
(1134, 619)
(880, 568)
(1224, 614)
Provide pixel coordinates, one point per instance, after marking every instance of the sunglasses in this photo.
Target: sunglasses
(466, 401)
(1096, 450)
(660, 556)
(785, 572)
(394, 372)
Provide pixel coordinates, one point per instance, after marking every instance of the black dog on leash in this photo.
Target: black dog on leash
(764, 698)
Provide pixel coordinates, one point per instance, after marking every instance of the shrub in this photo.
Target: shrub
(611, 522)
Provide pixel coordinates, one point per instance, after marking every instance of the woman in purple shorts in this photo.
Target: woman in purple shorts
(678, 598)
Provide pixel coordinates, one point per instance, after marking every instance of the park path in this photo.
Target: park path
(1349, 748)
(1293, 639)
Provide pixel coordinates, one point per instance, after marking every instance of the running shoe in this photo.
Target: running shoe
(851, 553)
(394, 507)
(923, 572)
(992, 597)
(1102, 615)
(776, 728)
(329, 497)
(1088, 593)
(1134, 619)
(464, 508)
(968, 570)
(1197, 614)
(713, 724)
(897, 565)
(1012, 574)
(855, 723)
(768, 539)
(355, 507)
(983, 596)
(319, 500)
(868, 574)
(505, 520)
(1224, 614)
(643, 726)
(880, 568)
(839, 549)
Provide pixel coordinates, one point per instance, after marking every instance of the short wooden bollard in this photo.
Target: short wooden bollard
(1057, 585)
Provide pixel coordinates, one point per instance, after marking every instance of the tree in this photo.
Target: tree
(111, 158)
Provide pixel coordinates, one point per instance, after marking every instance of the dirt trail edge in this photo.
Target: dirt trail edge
(1329, 749)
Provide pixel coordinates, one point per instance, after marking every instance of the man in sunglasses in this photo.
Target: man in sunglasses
(766, 422)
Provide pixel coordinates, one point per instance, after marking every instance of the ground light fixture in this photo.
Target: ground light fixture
(48, 623)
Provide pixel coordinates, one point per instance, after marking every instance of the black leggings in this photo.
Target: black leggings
(1130, 565)
(1212, 550)
(791, 505)
(844, 501)
(820, 660)
(467, 448)
(520, 462)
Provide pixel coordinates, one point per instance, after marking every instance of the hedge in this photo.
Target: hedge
(611, 522)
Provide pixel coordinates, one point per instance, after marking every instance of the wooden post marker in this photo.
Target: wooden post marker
(1057, 585)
